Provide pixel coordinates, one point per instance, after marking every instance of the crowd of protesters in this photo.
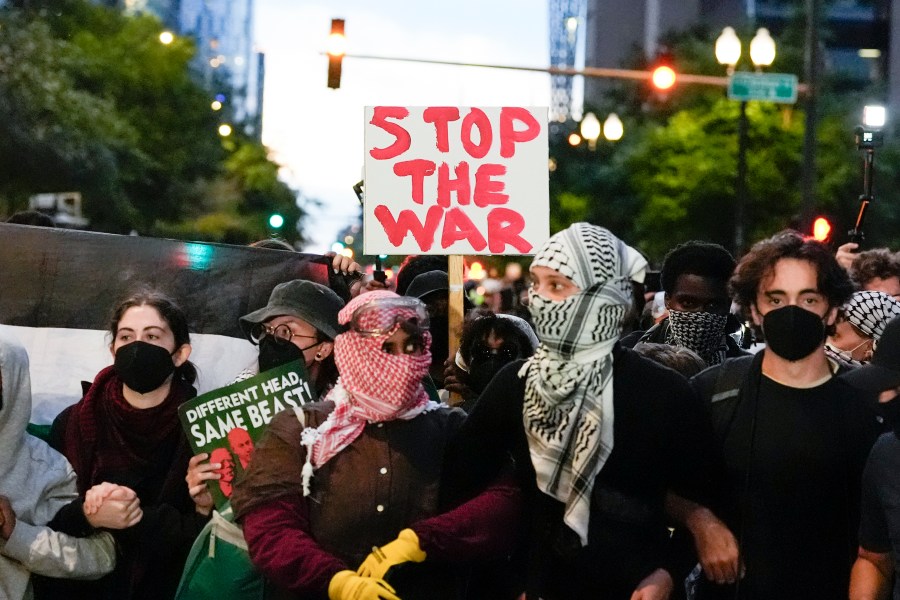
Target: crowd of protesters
(732, 435)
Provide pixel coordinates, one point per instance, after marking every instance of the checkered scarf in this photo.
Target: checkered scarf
(374, 386)
(870, 312)
(568, 408)
(703, 332)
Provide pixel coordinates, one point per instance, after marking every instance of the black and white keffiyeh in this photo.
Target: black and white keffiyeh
(568, 408)
(700, 331)
(870, 312)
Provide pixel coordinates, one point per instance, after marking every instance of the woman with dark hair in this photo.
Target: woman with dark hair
(125, 442)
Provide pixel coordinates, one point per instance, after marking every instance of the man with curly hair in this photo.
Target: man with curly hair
(793, 437)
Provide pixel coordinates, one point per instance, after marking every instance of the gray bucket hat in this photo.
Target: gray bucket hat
(312, 302)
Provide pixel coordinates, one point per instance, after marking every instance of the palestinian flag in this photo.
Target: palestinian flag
(58, 289)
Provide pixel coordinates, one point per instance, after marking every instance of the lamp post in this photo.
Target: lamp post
(590, 129)
(728, 53)
(613, 130)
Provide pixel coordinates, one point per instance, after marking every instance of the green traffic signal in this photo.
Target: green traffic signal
(276, 221)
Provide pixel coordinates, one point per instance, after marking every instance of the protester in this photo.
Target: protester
(413, 266)
(125, 441)
(597, 432)
(694, 279)
(298, 323)
(36, 482)
(681, 359)
(433, 288)
(488, 343)
(31, 217)
(335, 478)
(793, 437)
(859, 325)
(875, 270)
(878, 560)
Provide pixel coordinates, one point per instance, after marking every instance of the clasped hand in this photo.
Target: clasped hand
(111, 506)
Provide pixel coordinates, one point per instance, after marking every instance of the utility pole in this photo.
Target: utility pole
(812, 62)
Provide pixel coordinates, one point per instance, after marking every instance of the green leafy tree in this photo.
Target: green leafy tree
(90, 100)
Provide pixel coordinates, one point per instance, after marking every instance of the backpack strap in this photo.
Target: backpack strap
(720, 388)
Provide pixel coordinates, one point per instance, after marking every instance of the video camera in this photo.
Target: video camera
(868, 137)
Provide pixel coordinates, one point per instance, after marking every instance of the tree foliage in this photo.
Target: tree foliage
(673, 176)
(90, 100)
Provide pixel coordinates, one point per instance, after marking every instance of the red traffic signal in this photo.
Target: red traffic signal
(821, 229)
(663, 78)
(336, 43)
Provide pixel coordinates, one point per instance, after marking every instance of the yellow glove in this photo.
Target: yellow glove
(347, 585)
(404, 549)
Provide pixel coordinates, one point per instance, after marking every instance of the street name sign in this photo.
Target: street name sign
(768, 87)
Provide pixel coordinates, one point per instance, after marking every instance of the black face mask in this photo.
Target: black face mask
(274, 353)
(440, 339)
(890, 412)
(480, 374)
(142, 366)
(486, 362)
(792, 332)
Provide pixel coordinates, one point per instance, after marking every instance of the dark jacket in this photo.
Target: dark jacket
(660, 443)
(386, 480)
(151, 554)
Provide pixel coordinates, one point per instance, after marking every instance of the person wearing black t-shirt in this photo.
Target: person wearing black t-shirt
(878, 561)
(793, 438)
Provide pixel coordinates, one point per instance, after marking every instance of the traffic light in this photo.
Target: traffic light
(662, 72)
(663, 78)
(821, 229)
(276, 221)
(336, 43)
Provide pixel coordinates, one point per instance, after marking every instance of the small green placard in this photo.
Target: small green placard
(767, 87)
(227, 422)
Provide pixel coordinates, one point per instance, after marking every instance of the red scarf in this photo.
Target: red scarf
(374, 386)
(104, 433)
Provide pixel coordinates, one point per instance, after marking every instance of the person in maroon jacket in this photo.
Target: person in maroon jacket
(362, 469)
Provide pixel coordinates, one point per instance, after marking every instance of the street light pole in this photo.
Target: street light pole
(809, 132)
(728, 53)
(740, 205)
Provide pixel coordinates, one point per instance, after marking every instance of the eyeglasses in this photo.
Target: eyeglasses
(508, 351)
(282, 333)
(384, 316)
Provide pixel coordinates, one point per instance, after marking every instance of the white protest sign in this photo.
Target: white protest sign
(455, 180)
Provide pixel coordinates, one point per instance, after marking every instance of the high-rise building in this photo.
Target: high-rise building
(226, 60)
(566, 27)
(857, 44)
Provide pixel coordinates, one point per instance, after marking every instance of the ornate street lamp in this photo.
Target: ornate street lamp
(728, 53)
(613, 128)
(590, 129)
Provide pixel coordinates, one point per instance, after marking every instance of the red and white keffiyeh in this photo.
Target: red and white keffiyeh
(374, 386)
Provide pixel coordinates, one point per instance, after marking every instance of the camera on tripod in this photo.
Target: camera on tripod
(869, 135)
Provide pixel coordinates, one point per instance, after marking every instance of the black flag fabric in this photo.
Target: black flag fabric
(59, 287)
